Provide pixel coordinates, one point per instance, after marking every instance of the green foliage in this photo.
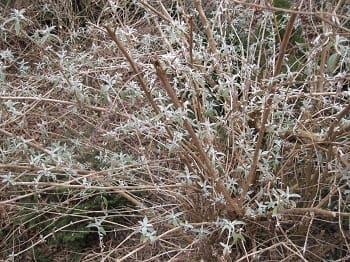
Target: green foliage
(285, 4)
(67, 228)
(41, 255)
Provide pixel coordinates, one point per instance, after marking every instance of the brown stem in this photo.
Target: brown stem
(232, 204)
(31, 144)
(134, 68)
(329, 136)
(285, 41)
(144, 88)
(267, 107)
(164, 15)
(315, 210)
(211, 41)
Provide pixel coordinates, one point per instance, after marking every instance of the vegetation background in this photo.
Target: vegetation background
(174, 130)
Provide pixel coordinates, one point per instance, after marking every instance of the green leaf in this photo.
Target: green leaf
(17, 27)
(101, 230)
(332, 63)
(236, 237)
(282, 4)
(105, 202)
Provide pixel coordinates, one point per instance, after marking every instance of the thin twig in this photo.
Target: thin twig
(211, 41)
(233, 205)
(50, 100)
(30, 143)
(267, 107)
(135, 68)
(315, 210)
(329, 136)
(144, 87)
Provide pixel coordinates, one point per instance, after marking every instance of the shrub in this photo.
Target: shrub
(158, 130)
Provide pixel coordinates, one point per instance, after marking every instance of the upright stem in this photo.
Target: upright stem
(210, 170)
(267, 107)
(212, 43)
